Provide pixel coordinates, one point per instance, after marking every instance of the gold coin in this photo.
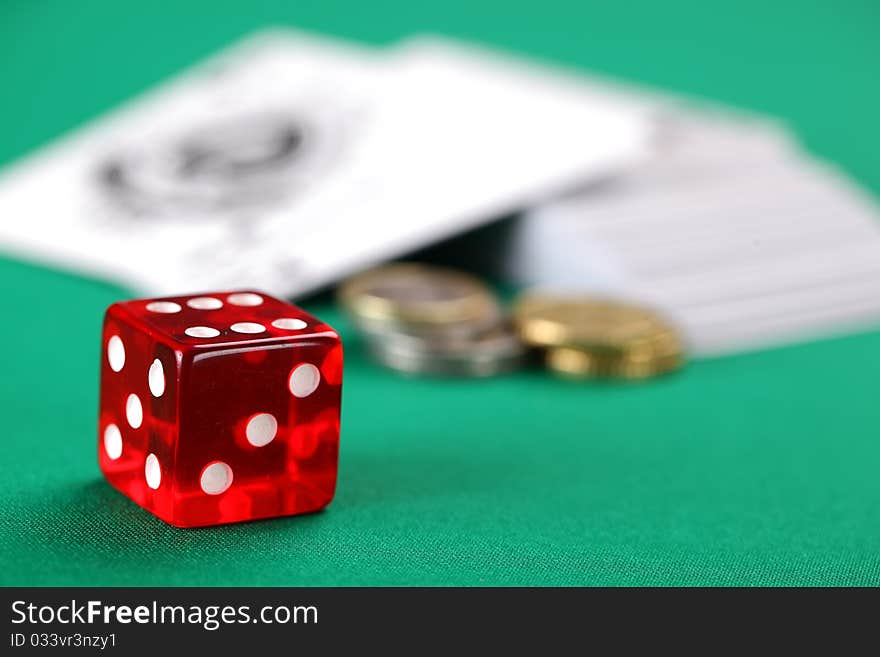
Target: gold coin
(584, 364)
(576, 362)
(599, 338)
(597, 324)
(420, 299)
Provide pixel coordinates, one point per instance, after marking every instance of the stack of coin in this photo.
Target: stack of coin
(431, 320)
(586, 337)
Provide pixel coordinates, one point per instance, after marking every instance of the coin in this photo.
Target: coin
(546, 321)
(420, 300)
(582, 363)
(590, 337)
(495, 352)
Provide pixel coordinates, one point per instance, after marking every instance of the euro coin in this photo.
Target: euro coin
(496, 352)
(602, 324)
(420, 300)
(584, 364)
(589, 337)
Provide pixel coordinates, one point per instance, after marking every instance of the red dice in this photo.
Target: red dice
(219, 407)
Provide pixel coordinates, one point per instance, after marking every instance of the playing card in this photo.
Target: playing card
(849, 304)
(783, 212)
(454, 153)
(173, 189)
(291, 160)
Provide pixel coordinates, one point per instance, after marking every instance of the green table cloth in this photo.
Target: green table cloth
(757, 469)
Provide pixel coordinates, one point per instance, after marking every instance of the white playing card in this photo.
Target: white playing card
(289, 161)
(455, 153)
(174, 189)
(851, 304)
(735, 224)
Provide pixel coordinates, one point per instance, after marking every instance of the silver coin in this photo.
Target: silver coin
(497, 352)
(420, 300)
(452, 331)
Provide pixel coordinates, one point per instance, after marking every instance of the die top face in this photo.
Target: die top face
(221, 320)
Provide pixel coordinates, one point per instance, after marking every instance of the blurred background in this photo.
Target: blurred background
(741, 208)
(807, 64)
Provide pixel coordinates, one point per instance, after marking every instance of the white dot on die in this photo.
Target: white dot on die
(156, 378)
(153, 472)
(164, 307)
(289, 324)
(205, 303)
(134, 412)
(247, 327)
(261, 429)
(304, 380)
(113, 441)
(202, 332)
(245, 299)
(216, 478)
(116, 353)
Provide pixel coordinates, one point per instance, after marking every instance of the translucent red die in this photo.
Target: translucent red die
(220, 407)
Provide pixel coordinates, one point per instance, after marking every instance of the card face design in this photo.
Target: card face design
(243, 162)
(290, 160)
(176, 188)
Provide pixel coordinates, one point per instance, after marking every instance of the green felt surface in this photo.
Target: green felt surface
(754, 469)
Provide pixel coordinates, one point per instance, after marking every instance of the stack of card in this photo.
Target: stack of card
(729, 229)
